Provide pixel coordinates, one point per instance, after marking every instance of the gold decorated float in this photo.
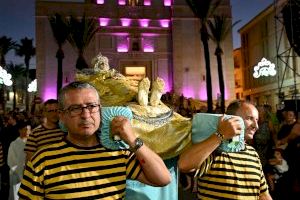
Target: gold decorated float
(164, 131)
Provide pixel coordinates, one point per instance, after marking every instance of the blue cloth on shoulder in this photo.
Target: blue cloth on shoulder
(206, 124)
(107, 114)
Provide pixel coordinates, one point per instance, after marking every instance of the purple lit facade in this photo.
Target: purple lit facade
(164, 23)
(148, 44)
(125, 21)
(100, 1)
(147, 2)
(163, 43)
(144, 22)
(122, 2)
(103, 21)
(167, 2)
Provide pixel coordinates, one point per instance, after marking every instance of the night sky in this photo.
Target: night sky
(17, 20)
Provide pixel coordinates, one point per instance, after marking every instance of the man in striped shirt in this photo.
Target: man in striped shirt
(228, 175)
(46, 133)
(79, 167)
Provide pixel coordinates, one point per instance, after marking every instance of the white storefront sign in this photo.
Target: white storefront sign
(264, 68)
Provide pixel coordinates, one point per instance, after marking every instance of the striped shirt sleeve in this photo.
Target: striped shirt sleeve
(32, 183)
(133, 168)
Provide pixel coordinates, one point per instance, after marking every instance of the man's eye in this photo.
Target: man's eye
(75, 108)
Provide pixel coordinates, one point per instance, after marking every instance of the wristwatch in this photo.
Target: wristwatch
(137, 144)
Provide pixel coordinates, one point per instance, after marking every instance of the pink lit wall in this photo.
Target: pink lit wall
(147, 2)
(201, 93)
(100, 1)
(167, 2)
(163, 71)
(122, 43)
(122, 2)
(144, 22)
(103, 21)
(148, 44)
(49, 92)
(164, 23)
(125, 21)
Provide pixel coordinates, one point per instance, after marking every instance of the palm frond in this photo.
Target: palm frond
(59, 28)
(25, 48)
(81, 31)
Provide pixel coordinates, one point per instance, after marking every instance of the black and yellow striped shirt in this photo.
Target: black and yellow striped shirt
(65, 171)
(41, 137)
(234, 175)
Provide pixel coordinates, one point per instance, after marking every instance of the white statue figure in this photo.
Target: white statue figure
(158, 87)
(143, 91)
(100, 63)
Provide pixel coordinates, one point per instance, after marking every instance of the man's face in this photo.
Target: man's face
(51, 113)
(290, 117)
(81, 122)
(250, 116)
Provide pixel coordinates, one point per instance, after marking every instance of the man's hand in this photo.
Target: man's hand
(229, 127)
(120, 126)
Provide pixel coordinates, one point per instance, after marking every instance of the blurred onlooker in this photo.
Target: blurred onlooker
(1, 162)
(8, 134)
(289, 140)
(46, 133)
(16, 159)
(263, 140)
(278, 167)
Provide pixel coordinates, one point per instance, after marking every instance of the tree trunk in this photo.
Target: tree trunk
(218, 54)
(15, 96)
(81, 63)
(26, 84)
(204, 39)
(60, 56)
(3, 87)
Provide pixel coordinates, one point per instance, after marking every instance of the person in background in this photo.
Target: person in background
(16, 159)
(289, 141)
(278, 167)
(78, 166)
(227, 175)
(8, 134)
(1, 162)
(264, 138)
(46, 133)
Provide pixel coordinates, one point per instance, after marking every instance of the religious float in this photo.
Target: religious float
(163, 130)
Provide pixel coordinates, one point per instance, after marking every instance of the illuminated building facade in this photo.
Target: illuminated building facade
(264, 37)
(153, 38)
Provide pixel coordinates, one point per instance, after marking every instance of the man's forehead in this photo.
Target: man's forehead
(247, 110)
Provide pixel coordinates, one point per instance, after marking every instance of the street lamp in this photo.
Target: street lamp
(5, 78)
(32, 87)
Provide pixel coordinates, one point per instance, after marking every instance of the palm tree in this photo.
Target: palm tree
(16, 71)
(219, 28)
(60, 32)
(27, 50)
(81, 32)
(6, 44)
(203, 9)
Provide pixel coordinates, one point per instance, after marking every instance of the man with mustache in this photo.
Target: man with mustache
(46, 133)
(228, 175)
(79, 167)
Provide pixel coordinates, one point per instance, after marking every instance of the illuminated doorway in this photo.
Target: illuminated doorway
(136, 70)
(135, 73)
